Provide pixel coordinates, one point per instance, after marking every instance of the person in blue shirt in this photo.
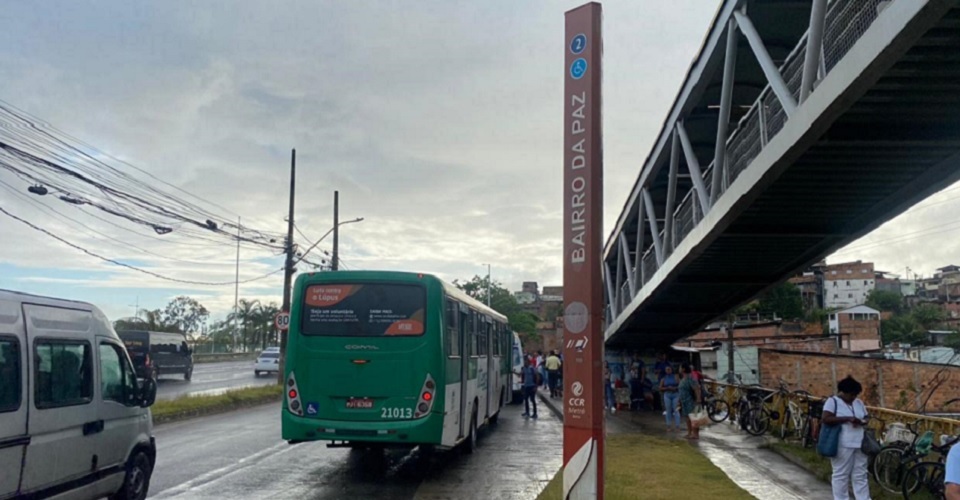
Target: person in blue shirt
(951, 481)
(660, 367)
(669, 386)
(529, 376)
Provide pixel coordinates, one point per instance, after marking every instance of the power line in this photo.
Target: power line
(128, 266)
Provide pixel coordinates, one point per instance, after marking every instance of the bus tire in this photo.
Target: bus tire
(496, 416)
(470, 444)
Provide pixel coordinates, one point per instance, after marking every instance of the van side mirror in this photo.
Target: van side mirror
(148, 392)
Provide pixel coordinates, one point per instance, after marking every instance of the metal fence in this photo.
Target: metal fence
(846, 22)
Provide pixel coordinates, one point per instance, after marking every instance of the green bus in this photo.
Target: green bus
(392, 359)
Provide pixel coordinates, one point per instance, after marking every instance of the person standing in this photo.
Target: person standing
(541, 369)
(669, 385)
(660, 367)
(553, 372)
(611, 403)
(528, 376)
(848, 411)
(689, 391)
(951, 480)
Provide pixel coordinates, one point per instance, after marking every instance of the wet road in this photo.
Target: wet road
(212, 378)
(240, 455)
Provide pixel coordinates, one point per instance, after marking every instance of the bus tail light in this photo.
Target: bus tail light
(426, 398)
(293, 396)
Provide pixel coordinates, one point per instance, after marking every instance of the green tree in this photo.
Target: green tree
(953, 341)
(902, 328)
(153, 320)
(783, 299)
(502, 301)
(245, 318)
(186, 314)
(884, 300)
(928, 316)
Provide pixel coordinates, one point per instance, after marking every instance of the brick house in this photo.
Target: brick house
(858, 328)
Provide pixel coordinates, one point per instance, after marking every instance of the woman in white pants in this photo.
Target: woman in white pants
(850, 413)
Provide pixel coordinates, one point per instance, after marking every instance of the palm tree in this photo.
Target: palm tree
(246, 315)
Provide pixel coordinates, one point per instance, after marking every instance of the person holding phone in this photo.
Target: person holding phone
(848, 411)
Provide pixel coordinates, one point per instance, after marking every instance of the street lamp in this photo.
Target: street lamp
(304, 254)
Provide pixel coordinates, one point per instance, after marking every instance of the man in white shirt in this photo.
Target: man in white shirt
(952, 479)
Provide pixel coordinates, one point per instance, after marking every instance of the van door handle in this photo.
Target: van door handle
(93, 427)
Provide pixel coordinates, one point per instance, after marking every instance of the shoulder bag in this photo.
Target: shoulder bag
(829, 441)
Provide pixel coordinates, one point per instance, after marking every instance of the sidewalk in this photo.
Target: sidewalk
(761, 472)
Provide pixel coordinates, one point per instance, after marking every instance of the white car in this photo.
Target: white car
(267, 362)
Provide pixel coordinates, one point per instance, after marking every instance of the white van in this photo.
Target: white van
(74, 420)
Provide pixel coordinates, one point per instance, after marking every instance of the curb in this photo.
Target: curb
(212, 410)
(551, 404)
(790, 457)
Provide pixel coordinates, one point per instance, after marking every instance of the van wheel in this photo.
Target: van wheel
(189, 374)
(137, 480)
(256, 373)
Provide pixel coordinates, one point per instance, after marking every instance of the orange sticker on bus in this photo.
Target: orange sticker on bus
(405, 327)
(328, 295)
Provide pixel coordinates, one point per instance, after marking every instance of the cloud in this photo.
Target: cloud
(438, 122)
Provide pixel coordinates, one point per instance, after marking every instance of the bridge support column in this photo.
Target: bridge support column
(668, 225)
(726, 96)
(811, 59)
(766, 63)
(693, 165)
(639, 275)
(652, 217)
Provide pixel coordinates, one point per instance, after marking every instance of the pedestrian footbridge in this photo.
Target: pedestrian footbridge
(800, 126)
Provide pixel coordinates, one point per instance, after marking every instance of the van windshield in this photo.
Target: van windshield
(363, 310)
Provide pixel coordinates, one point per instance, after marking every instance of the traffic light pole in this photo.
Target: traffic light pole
(288, 265)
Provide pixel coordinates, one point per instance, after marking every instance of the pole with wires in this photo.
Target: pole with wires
(236, 294)
(288, 268)
(335, 265)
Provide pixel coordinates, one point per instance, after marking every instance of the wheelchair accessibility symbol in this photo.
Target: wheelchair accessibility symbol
(578, 68)
(312, 408)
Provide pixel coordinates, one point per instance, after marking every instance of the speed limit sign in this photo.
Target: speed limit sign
(282, 321)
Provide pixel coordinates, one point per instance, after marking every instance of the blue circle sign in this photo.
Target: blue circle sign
(578, 68)
(578, 43)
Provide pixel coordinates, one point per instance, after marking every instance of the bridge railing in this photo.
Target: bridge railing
(843, 22)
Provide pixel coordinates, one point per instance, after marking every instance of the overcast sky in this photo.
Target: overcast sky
(439, 122)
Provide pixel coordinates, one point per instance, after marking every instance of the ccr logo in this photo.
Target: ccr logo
(577, 402)
(577, 389)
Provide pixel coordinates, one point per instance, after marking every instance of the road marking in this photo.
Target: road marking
(223, 472)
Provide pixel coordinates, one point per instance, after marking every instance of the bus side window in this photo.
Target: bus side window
(452, 334)
(472, 332)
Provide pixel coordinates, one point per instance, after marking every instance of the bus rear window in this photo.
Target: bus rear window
(363, 310)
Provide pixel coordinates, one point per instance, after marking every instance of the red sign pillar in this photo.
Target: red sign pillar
(582, 248)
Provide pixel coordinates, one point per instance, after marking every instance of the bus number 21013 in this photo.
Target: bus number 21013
(396, 413)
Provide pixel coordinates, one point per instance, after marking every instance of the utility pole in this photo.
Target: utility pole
(488, 285)
(335, 265)
(731, 371)
(236, 294)
(288, 265)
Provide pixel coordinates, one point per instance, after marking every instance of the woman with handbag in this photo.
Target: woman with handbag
(689, 390)
(849, 462)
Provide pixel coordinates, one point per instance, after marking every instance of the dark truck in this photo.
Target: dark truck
(158, 353)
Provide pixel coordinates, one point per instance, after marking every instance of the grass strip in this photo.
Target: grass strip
(643, 466)
(820, 466)
(194, 406)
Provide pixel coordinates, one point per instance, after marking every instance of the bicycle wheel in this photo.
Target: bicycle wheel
(785, 424)
(924, 481)
(718, 410)
(757, 421)
(888, 468)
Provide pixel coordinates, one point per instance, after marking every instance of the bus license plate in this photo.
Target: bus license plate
(359, 403)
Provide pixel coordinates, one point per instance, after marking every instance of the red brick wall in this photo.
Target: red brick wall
(888, 383)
